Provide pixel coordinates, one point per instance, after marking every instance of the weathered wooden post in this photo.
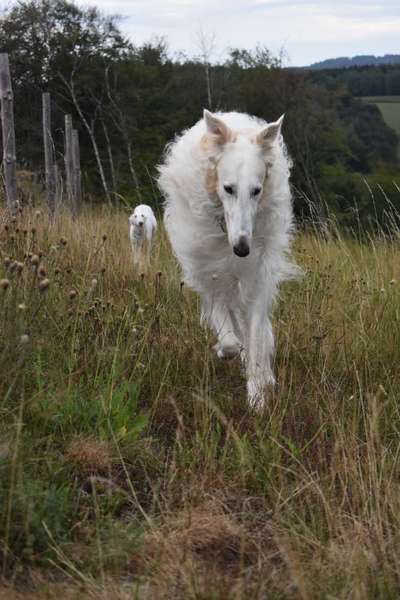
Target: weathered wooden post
(76, 160)
(69, 164)
(59, 186)
(7, 120)
(49, 157)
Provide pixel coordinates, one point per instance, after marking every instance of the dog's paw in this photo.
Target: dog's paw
(227, 351)
(255, 392)
(255, 395)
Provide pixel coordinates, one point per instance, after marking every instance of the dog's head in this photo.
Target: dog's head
(239, 163)
(137, 219)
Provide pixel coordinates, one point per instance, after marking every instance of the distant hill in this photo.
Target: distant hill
(344, 62)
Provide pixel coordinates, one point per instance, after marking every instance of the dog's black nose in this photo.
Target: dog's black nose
(141, 223)
(241, 248)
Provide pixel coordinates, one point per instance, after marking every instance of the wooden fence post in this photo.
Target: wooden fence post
(76, 160)
(7, 119)
(49, 155)
(69, 164)
(59, 186)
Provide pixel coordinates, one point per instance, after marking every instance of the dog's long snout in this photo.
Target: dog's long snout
(242, 247)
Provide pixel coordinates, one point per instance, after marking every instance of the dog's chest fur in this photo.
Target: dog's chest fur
(137, 233)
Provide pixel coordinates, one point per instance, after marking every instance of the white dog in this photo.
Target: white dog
(143, 226)
(229, 218)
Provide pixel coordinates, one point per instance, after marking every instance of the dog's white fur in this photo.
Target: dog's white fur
(226, 185)
(143, 226)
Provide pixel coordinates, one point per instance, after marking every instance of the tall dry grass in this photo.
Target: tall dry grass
(130, 465)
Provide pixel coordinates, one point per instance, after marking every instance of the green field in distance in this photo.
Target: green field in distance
(390, 110)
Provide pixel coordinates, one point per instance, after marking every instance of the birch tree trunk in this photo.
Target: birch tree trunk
(49, 155)
(90, 130)
(110, 156)
(7, 119)
(120, 123)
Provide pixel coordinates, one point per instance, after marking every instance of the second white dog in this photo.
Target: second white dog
(143, 226)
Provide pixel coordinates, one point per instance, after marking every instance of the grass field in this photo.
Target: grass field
(130, 465)
(390, 110)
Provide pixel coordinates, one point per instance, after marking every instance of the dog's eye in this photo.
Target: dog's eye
(255, 191)
(228, 189)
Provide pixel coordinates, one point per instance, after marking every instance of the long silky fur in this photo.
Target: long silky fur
(193, 212)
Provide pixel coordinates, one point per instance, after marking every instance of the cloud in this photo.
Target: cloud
(309, 30)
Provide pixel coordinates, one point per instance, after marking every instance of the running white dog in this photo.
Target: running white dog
(228, 215)
(143, 226)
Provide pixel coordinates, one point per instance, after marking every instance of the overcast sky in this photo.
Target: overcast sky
(308, 31)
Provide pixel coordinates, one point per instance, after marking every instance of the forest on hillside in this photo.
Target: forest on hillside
(131, 100)
(369, 80)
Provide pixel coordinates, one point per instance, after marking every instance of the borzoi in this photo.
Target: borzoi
(143, 225)
(228, 215)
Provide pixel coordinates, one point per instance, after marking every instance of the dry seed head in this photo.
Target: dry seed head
(72, 294)
(7, 261)
(22, 307)
(93, 284)
(19, 266)
(57, 271)
(12, 266)
(24, 339)
(37, 213)
(63, 241)
(44, 284)
(4, 284)
(392, 281)
(35, 260)
(42, 271)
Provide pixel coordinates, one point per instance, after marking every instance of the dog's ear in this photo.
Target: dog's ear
(217, 128)
(270, 133)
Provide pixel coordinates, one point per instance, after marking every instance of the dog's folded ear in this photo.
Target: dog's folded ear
(217, 128)
(269, 134)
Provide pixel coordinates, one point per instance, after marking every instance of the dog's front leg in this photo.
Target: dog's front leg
(216, 312)
(135, 254)
(259, 348)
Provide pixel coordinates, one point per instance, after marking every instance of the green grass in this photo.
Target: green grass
(130, 464)
(389, 107)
